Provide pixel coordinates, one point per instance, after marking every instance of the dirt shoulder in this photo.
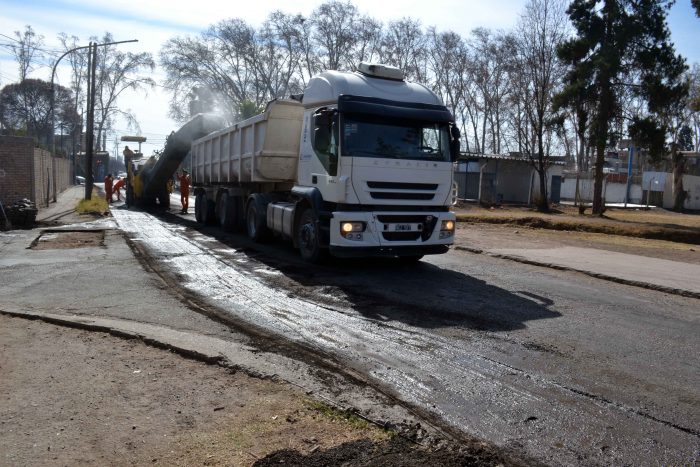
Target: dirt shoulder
(495, 236)
(620, 231)
(656, 224)
(70, 396)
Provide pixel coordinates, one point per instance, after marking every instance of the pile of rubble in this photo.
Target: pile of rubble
(19, 215)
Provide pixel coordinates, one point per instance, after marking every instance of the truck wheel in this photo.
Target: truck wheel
(208, 210)
(255, 223)
(199, 207)
(308, 237)
(227, 212)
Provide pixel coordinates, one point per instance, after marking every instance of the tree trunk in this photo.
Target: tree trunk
(543, 204)
(543, 201)
(598, 201)
(679, 194)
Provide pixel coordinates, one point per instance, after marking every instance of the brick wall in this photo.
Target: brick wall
(27, 172)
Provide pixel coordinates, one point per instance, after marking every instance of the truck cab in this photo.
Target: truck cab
(359, 165)
(376, 164)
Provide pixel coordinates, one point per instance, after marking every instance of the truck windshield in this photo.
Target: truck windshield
(365, 136)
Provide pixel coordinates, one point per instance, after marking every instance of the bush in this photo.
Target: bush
(95, 205)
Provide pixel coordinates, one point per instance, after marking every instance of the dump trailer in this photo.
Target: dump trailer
(147, 178)
(360, 165)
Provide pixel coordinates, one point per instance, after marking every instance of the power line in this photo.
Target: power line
(41, 49)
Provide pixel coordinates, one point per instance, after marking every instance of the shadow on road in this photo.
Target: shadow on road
(421, 294)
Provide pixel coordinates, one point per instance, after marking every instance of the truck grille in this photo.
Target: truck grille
(398, 190)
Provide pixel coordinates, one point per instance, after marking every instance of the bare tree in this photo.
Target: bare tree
(445, 53)
(404, 46)
(335, 32)
(491, 64)
(218, 61)
(78, 64)
(368, 42)
(290, 32)
(27, 51)
(541, 28)
(117, 72)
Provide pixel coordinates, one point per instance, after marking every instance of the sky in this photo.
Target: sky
(153, 22)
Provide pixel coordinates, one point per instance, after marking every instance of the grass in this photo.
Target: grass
(94, 205)
(345, 416)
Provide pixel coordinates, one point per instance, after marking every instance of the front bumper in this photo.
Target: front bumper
(391, 233)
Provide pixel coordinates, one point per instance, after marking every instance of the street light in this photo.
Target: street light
(52, 103)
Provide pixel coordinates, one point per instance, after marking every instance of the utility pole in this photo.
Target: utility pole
(92, 46)
(90, 130)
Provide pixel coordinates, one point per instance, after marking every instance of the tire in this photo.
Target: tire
(308, 237)
(199, 207)
(208, 210)
(255, 222)
(226, 212)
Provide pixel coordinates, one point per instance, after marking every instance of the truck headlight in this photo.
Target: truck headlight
(447, 229)
(347, 227)
(352, 230)
(448, 225)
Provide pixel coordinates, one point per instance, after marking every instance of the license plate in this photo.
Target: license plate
(402, 227)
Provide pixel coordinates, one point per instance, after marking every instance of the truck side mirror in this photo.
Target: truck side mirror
(454, 144)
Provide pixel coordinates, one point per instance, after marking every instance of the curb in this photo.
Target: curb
(89, 324)
(404, 429)
(597, 275)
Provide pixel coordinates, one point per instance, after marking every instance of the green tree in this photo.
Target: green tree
(619, 44)
(25, 109)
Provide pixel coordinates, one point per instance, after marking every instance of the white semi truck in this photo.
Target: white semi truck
(360, 165)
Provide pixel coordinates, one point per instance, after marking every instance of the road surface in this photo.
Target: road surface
(567, 368)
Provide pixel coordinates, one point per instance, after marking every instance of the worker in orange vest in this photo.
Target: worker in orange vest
(118, 186)
(184, 178)
(108, 188)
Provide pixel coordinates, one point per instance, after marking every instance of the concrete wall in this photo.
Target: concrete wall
(691, 183)
(28, 172)
(513, 182)
(614, 192)
(503, 180)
